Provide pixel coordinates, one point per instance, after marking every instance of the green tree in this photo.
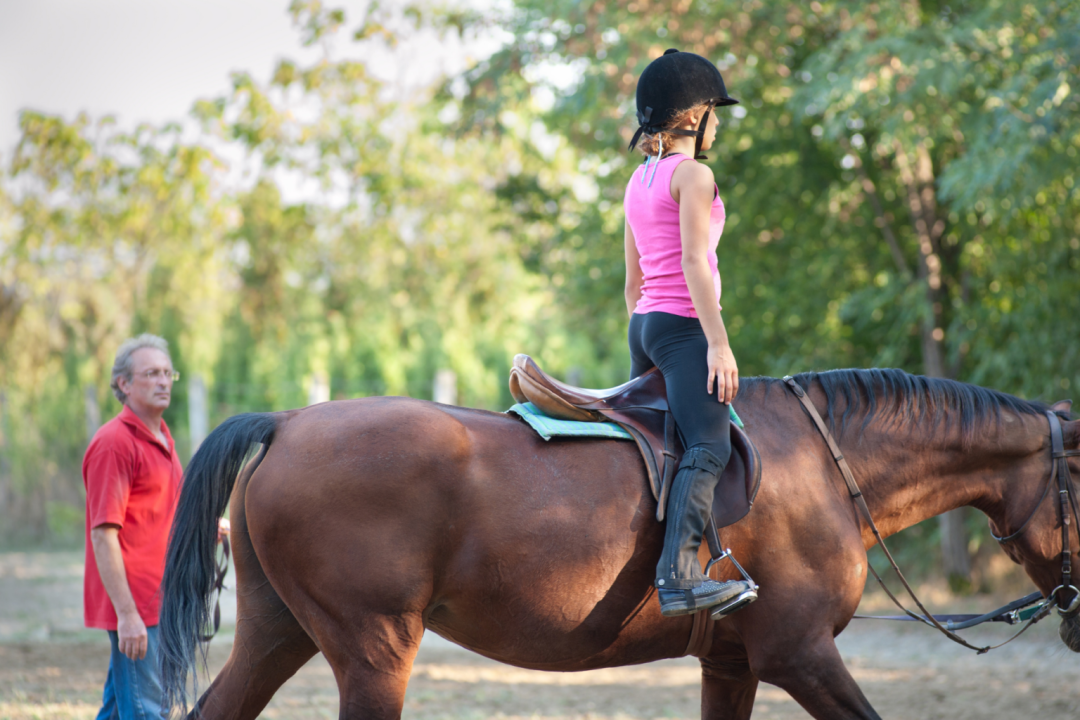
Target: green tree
(899, 183)
(104, 233)
(895, 179)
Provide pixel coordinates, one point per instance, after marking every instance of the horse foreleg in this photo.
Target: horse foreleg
(728, 689)
(812, 672)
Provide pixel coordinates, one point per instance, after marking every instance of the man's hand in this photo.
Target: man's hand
(130, 628)
(131, 631)
(223, 528)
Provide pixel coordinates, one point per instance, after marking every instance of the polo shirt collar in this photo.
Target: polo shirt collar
(128, 417)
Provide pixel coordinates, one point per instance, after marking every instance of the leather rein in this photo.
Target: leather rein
(1060, 470)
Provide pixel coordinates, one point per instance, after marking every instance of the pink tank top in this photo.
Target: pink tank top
(654, 218)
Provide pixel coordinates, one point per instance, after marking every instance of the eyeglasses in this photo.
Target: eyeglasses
(159, 374)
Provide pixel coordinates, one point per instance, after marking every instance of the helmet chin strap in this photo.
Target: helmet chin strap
(699, 133)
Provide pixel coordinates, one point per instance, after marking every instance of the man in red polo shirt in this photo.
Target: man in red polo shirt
(132, 477)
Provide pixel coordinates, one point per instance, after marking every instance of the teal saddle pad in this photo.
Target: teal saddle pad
(549, 427)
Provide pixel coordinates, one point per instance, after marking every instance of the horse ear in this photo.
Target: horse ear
(1064, 406)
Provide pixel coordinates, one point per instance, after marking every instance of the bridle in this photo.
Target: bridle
(1059, 470)
(1067, 507)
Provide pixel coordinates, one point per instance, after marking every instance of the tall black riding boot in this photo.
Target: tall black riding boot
(683, 588)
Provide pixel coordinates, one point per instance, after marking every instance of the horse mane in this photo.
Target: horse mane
(894, 396)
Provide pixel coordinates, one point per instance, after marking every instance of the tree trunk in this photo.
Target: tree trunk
(918, 179)
(954, 550)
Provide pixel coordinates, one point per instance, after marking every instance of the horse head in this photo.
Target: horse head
(1038, 543)
(1070, 621)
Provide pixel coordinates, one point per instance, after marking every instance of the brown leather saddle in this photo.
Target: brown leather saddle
(641, 408)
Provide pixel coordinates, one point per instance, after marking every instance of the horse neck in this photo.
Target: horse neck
(911, 475)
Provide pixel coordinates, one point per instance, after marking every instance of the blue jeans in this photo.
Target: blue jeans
(132, 689)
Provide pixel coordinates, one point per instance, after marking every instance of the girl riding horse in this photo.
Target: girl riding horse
(674, 218)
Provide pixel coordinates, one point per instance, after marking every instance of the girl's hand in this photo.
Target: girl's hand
(722, 367)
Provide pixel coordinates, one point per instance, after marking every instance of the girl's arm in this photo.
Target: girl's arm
(692, 186)
(634, 278)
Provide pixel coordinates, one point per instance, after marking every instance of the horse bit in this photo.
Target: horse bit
(1010, 613)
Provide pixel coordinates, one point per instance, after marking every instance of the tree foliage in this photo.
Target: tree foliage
(897, 178)
(900, 182)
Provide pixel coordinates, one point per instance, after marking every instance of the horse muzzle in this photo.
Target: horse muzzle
(1070, 631)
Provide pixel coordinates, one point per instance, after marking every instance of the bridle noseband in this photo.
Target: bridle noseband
(1059, 469)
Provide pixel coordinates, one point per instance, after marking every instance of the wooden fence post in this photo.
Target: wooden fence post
(198, 412)
(319, 390)
(3, 423)
(5, 470)
(93, 411)
(445, 390)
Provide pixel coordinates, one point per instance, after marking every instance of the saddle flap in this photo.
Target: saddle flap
(739, 483)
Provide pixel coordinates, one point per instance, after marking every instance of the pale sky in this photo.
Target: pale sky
(149, 60)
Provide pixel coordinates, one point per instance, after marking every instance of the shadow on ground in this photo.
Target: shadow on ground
(50, 667)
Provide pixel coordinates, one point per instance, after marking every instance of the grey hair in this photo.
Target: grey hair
(123, 366)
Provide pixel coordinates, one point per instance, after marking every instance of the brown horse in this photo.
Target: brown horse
(360, 523)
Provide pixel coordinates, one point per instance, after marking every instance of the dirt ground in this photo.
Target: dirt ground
(52, 668)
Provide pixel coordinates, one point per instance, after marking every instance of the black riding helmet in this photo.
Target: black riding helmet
(674, 82)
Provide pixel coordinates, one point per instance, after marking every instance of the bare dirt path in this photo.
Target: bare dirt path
(49, 668)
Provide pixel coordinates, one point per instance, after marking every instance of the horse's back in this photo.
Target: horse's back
(414, 450)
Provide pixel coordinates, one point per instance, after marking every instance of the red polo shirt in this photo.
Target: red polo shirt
(133, 481)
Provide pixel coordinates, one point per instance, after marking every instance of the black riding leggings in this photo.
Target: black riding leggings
(677, 346)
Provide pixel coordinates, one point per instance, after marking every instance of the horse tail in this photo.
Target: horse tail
(190, 561)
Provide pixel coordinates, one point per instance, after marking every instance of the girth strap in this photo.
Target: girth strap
(700, 634)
